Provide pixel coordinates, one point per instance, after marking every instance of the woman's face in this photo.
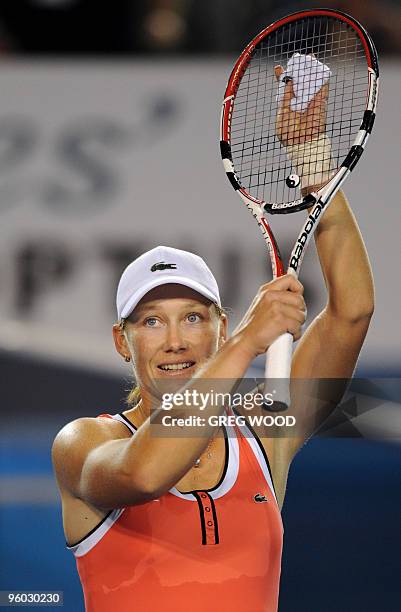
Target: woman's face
(171, 333)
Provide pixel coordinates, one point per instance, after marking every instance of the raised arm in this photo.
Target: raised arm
(331, 345)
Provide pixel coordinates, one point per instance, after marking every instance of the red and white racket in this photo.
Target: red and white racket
(298, 109)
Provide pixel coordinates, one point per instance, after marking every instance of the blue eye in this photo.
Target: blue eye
(194, 317)
(151, 322)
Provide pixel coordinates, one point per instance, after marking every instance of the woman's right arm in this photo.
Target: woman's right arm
(111, 473)
(89, 461)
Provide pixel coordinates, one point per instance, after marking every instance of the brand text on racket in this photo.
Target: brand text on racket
(302, 240)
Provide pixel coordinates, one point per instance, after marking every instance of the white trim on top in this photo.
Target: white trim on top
(250, 438)
(231, 475)
(92, 539)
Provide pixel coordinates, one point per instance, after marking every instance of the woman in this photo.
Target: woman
(191, 519)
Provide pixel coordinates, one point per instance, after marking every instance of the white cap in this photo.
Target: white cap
(160, 266)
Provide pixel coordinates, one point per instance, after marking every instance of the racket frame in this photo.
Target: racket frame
(278, 358)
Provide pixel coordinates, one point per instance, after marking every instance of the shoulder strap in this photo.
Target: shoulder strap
(120, 417)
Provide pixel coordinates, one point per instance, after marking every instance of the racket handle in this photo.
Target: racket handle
(277, 373)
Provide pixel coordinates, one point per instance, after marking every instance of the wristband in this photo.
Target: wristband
(312, 160)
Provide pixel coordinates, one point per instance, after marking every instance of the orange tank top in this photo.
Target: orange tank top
(212, 550)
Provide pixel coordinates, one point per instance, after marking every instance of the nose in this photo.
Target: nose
(175, 341)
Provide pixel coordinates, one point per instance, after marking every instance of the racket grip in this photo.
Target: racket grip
(277, 373)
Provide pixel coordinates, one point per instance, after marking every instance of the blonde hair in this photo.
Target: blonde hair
(134, 395)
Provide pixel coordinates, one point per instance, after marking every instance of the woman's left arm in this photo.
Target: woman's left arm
(330, 347)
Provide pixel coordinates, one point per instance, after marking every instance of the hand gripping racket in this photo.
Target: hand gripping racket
(298, 109)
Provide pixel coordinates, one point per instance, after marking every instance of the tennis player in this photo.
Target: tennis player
(191, 520)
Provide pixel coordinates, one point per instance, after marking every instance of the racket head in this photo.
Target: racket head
(254, 158)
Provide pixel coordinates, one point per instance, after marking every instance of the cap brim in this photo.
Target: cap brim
(167, 280)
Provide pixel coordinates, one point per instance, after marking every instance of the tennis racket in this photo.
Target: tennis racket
(298, 109)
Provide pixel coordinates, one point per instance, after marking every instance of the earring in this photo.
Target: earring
(127, 359)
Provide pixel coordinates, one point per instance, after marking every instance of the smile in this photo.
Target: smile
(176, 366)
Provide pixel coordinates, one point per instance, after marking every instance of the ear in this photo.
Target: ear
(223, 330)
(120, 342)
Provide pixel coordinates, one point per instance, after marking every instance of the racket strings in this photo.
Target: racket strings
(260, 143)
